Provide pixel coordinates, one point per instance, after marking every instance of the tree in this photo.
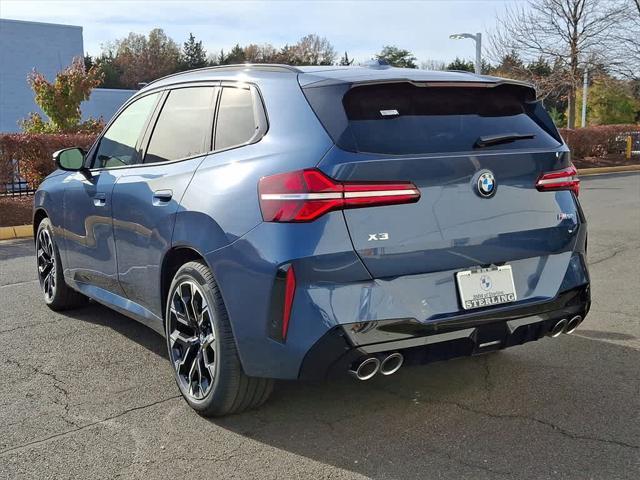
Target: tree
(397, 57)
(141, 59)
(626, 57)
(315, 50)
(60, 100)
(462, 65)
(265, 53)
(433, 65)
(610, 101)
(236, 55)
(111, 72)
(565, 32)
(193, 54)
(345, 61)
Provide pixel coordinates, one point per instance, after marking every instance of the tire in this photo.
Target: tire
(202, 349)
(57, 294)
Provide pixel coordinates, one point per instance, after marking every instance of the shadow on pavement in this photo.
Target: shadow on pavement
(100, 315)
(538, 410)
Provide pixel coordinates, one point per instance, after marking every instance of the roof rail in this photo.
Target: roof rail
(236, 66)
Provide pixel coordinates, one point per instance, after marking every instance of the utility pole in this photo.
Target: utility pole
(585, 88)
(476, 38)
(478, 53)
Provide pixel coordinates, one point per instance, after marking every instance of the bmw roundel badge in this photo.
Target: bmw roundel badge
(486, 184)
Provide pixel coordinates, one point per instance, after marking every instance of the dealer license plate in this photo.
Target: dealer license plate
(486, 287)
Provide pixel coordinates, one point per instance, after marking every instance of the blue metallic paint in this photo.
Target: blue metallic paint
(114, 253)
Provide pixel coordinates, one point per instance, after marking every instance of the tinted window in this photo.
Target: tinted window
(402, 118)
(237, 122)
(118, 145)
(183, 128)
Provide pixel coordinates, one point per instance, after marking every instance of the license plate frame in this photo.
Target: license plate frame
(486, 287)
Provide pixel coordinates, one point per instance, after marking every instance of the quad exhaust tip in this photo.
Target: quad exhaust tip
(573, 324)
(391, 364)
(558, 329)
(366, 369)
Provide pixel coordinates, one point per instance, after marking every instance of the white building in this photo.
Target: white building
(48, 48)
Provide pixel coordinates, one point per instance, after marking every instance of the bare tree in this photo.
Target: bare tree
(430, 64)
(626, 61)
(314, 50)
(566, 33)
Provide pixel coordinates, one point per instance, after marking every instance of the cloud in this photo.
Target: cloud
(359, 27)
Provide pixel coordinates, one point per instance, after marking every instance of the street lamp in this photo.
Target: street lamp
(476, 38)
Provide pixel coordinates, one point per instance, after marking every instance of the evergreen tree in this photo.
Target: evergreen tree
(193, 54)
(236, 55)
(397, 57)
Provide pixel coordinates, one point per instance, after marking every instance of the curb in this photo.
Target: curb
(20, 231)
(26, 231)
(585, 172)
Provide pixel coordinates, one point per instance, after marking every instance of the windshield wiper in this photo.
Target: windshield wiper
(489, 140)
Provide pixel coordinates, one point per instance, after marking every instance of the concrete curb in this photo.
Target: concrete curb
(26, 231)
(585, 172)
(20, 231)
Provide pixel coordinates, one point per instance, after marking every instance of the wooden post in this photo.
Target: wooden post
(628, 150)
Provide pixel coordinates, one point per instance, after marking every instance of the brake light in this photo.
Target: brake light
(305, 195)
(565, 179)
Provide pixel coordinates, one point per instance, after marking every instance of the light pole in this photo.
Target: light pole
(476, 38)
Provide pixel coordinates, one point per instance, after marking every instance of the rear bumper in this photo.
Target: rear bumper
(423, 343)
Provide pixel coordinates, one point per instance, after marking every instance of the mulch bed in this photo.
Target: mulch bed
(15, 210)
(606, 161)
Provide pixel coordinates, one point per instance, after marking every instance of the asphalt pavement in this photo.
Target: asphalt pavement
(90, 394)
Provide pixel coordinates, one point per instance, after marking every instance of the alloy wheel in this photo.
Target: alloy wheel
(192, 340)
(46, 264)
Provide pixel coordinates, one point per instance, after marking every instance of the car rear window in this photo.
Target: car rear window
(405, 118)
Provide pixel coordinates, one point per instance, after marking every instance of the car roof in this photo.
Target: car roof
(327, 75)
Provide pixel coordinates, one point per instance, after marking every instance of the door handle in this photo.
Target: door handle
(99, 199)
(162, 197)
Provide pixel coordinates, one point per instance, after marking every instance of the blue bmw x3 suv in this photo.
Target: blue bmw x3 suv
(275, 222)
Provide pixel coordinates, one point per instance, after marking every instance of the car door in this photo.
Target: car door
(87, 203)
(146, 198)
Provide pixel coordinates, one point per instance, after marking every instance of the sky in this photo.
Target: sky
(361, 28)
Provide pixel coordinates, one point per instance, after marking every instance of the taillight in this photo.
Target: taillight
(305, 195)
(289, 292)
(565, 179)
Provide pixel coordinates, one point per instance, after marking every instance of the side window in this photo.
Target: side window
(183, 128)
(237, 121)
(118, 144)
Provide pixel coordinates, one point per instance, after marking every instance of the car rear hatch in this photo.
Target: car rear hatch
(476, 151)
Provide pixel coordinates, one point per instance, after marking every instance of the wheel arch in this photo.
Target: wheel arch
(38, 215)
(173, 259)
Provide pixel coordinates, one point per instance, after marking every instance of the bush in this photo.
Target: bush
(33, 153)
(599, 141)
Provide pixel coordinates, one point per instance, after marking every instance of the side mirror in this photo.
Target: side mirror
(71, 160)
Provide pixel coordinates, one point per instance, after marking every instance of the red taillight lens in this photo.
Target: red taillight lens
(305, 195)
(289, 292)
(565, 179)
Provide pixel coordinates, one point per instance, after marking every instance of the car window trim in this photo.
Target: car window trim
(96, 145)
(259, 111)
(206, 143)
(219, 83)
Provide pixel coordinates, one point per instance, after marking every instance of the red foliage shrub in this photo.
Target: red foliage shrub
(33, 153)
(599, 141)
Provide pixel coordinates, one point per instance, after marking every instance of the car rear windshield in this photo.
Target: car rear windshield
(405, 118)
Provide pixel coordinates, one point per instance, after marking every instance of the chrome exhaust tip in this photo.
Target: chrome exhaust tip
(366, 369)
(558, 329)
(573, 324)
(391, 364)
